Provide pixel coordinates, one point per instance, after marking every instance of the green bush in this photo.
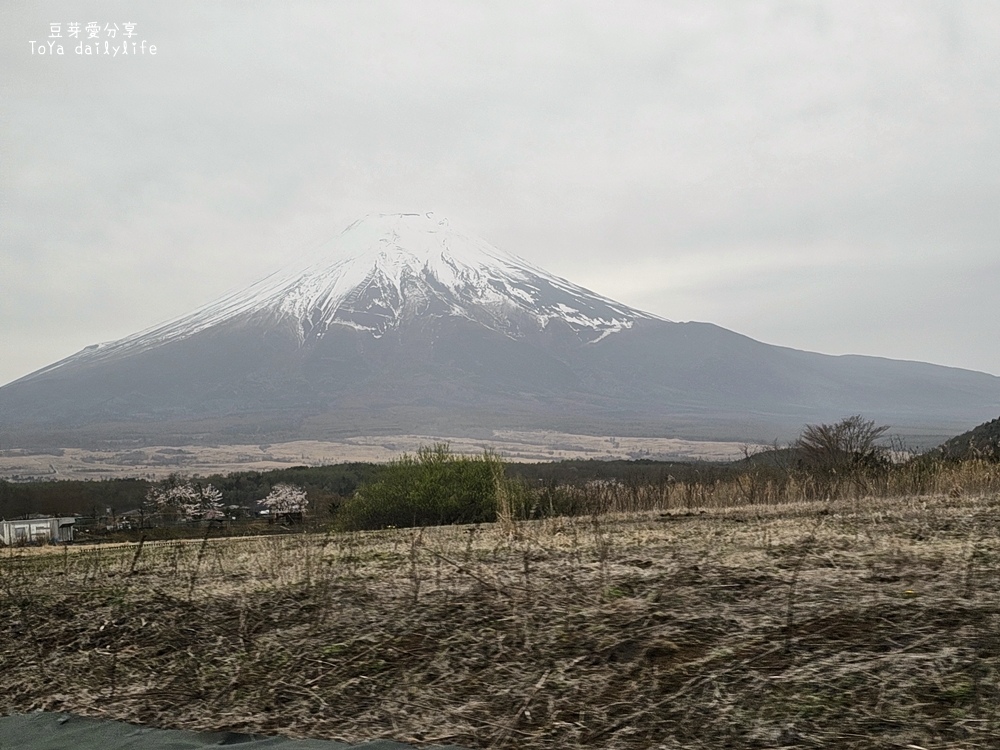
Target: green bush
(435, 487)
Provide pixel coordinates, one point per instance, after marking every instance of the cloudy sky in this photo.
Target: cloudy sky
(822, 175)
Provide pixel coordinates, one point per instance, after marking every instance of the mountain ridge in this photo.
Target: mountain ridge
(409, 321)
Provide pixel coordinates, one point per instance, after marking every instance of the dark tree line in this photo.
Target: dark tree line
(325, 485)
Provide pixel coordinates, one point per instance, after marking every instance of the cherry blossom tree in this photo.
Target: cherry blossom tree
(210, 502)
(285, 499)
(186, 501)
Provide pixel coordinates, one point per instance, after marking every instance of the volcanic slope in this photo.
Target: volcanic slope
(411, 324)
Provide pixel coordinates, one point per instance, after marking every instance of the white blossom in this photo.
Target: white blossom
(285, 498)
(187, 501)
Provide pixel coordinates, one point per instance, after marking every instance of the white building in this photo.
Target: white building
(37, 531)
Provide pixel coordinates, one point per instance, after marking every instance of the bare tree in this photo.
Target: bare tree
(851, 443)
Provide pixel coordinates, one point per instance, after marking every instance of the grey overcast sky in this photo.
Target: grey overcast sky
(823, 175)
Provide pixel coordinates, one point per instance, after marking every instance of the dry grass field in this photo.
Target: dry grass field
(859, 623)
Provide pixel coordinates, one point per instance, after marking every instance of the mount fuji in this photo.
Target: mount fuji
(410, 324)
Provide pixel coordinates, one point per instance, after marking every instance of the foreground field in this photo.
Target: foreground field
(856, 624)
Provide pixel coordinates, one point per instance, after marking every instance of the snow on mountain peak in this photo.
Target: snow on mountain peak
(384, 269)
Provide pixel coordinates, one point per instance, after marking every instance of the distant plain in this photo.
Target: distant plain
(161, 461)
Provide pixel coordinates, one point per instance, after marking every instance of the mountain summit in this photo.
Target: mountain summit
(409, 324)
(388, 268)
(385, 270)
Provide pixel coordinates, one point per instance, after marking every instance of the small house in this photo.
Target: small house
(37, 531)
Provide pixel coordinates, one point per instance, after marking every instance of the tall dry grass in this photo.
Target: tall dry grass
(764, 486)
(850, 622)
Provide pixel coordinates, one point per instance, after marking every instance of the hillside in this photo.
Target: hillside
(981, 442)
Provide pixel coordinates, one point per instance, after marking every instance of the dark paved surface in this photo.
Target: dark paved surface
(56, 731)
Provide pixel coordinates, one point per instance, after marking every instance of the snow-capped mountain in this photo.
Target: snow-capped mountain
(406, 323)
(386, 269)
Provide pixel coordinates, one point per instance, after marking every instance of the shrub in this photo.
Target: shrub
(850, 444)
(845, 457)
(435, 487)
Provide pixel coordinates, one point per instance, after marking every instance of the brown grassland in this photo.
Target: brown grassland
(857, 622)
(516, 446)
